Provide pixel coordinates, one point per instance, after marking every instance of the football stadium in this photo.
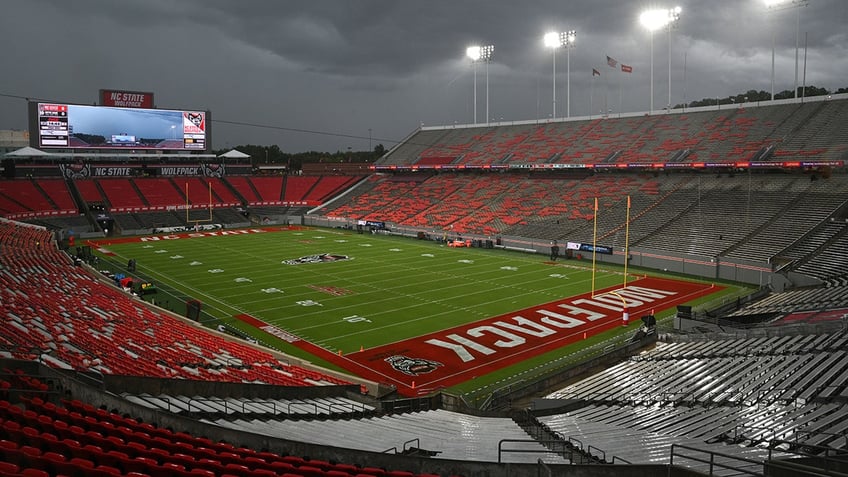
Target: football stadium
(660, 293)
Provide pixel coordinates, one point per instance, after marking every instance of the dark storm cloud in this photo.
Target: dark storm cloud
(383, 67)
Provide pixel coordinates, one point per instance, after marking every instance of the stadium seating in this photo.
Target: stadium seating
(738, 133)
(452, 435)
(160, 192)
(71, 320)
(73, 438)
(297, 187)
(747, 392)
(122, 195)
(325, 188)
(270, 189)
(35, 198)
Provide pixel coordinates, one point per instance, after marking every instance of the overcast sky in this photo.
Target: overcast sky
(355, 69)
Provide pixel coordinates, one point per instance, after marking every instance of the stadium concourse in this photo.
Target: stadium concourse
(96, 382)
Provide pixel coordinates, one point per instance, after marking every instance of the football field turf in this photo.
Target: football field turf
(394, 309)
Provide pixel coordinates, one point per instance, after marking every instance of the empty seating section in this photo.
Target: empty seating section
(754, 217)
(122, 195)
(325, 188)
(335, 406)
(26, 197)
(817, 200)
(819, 133)
(160, 192)
(244, 187)
(270, 189)
(728, 134)
(710, 394)
(74, 438)
(57, 191)
(69, 319)
(200, 194)
(799, 299)
(222, 192)
(297, 187)
(830, 262)
(410, 151)
(89, 191)
(452, 435)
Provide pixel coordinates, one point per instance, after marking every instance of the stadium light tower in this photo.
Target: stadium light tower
(480, 54)
(555, 40)
(782, 5)
(653, 20)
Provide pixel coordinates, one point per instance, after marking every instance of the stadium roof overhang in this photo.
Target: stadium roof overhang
(33, 153)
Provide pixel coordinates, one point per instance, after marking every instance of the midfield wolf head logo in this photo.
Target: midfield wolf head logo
(318, 258)
(412, 366)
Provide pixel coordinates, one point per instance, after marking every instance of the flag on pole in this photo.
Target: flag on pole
(626, 68)
(595, 72)
(612, 62)
(596, 205)
(628, 201)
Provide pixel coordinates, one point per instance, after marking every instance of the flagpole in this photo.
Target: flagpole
(626, 241)
(594, 246)
(620, 77)
(592, 93)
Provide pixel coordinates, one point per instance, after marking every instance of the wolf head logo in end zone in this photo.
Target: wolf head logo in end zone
(197, 119)
(318, 258)
(412, 366)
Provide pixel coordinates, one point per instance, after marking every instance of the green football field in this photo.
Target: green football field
(345, 291)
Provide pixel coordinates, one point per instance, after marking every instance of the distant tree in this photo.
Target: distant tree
(752, 96)
(379, 150)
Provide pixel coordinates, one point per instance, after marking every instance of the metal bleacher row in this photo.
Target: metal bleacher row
(749, 398)
(451, 435)
(335, 405)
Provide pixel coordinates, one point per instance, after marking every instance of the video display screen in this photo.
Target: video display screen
(74, 126)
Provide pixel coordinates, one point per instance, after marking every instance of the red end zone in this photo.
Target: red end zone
(452, 356)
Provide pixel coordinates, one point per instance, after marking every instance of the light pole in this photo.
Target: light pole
(782, 5)
(479, 54)
(555, 40)
(654, 20)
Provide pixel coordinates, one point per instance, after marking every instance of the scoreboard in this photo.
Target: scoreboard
(52, 125)
(76, 126)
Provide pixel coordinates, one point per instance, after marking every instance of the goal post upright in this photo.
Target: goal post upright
(188, 206)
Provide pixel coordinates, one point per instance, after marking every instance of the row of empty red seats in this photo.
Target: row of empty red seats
(51, 197)
(486, 204)
(73, 438)
(57, 311)
(731, 134)
(31, 197)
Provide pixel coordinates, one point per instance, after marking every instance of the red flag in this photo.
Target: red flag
(626, 68)
(611, 62)
(595, 72)
(628, 201)
(596, 205)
